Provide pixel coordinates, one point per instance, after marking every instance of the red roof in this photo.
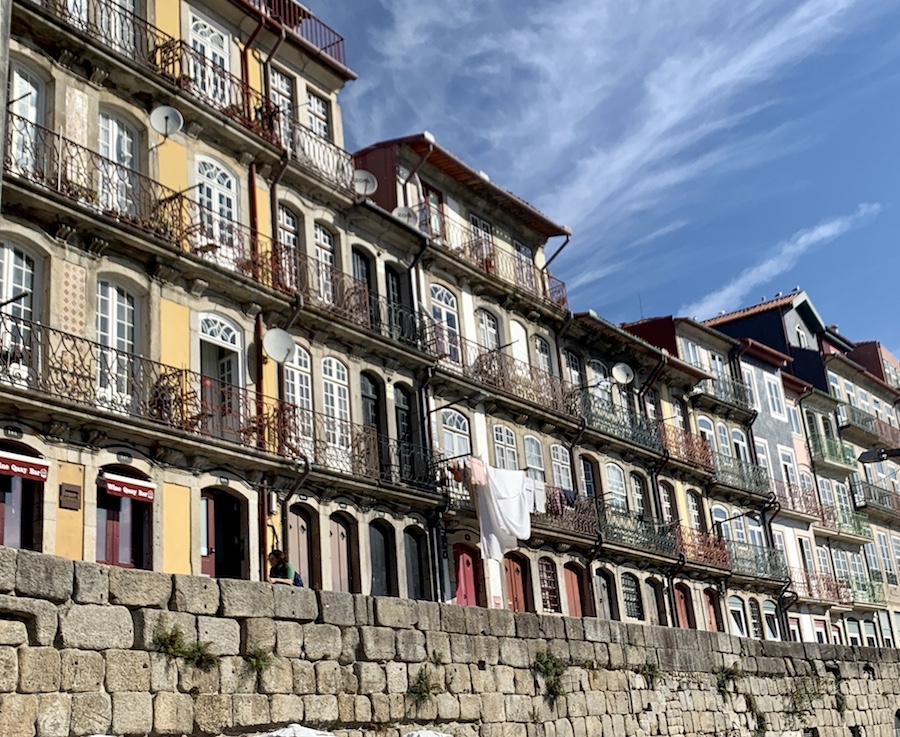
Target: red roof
(753, 310)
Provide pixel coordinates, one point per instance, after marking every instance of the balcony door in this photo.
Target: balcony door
(433, 217)
(26, 95)
(18, 355)
(446, 322)
(118, 25)
(118, 186)
(325, 265)
(221, 348)
(116, 336)
(217, 194)
(209, 66)
(338, 432)
(298, 420)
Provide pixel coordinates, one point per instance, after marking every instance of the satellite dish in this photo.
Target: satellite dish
(364, 182)
(622, 373)
(166, 120)
(278, 345)
(407, 215)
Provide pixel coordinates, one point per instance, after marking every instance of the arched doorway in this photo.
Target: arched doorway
(22, 475)
(124, 517)
(656, 603)
(577, 591)
(518, 583)
(383, 556)
(344, 565)
(684, 607)
(303, 544)
(418, 563)
(713, 611)
(469, 576)
(223, 534)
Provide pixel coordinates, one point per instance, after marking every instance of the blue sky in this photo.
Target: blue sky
(705, 153)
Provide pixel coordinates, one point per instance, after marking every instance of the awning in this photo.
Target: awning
(26, 467)
(143, 491)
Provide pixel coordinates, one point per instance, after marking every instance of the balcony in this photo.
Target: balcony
(579, 518)
(703, 548)
(644, 534)
(846, 522)
(729, 391)
(621, 422)
(819, 586)
(757, 561)
(686, 447)
(888, 434)
(864, 591)
(875, 499)
(857, 424)
(742, 475)
(831, 452)
(296, 19)
(501, 372)
(796, 499)
(479, 250)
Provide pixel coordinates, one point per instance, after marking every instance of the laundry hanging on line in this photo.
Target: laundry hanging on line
(504, 511)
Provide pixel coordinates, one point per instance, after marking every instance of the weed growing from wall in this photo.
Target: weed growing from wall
(552, 669)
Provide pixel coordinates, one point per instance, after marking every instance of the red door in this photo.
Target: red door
(712, 611)
(683, 607)
(516, 584)
(573, 591)
(208, 534)
(465, 561)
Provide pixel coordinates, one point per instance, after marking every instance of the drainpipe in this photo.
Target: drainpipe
(5, 22)
(245, 52)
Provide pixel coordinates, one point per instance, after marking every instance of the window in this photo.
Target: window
(750, 381)
(483, 234)
(455, 433)
(405, 422)
(834, 384)
(371, 400)
(288, 228)
(324, 262)
(886, 558)
(895, 544)
(705, 427)
(770, 620)
(601, 386)
(615, 483)
(666, 494)
(542, 355)
(209, 70)
(631, 595)
(221, 351)
(740, 445)
(756, 623)
(638, 494)
(117, 186)
(298, 392)
(651, 405)
(488, 332)
(776, 398)
(738, 618)
(116, 336)
(534, 458)
(217, 196)
(863, 400)
(788, 465)
(505, 448)
(695, 517)
(123, 522)
(383, 555)
(841, 567)
(721, 522)
(826, 492)
(755, 533)
(802, 339)
(281, 94)
(678, 414)
(692, 353)
(549, 586)
(417, 563)
(318, 115)
(724, 444)
(794, 417)
(572, 369)
(762, 455)
(872, 562)
(446, 322)
(562, 468)
(26, 107)
(588, 480)
(336, 406)
(525, 269)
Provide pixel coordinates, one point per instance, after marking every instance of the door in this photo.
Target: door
(517, 587)
(26, 107)
(325, 268)
(221, 395)
(222, 537)
(713, 612)
(300, 543)
(207, 535)
(337, 415)
(363, 300)
(683, 607)
(341, 578)
(433, 217)
(466, 562)
(118, 187)
(525, 268)
(116, 335)
(209, 62)
(446, 323)
(117, 24)
(573, 591)
(217, 196)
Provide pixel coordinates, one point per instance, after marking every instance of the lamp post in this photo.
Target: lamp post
(877, 455)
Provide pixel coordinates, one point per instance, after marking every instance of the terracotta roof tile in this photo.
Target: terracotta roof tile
(752, 310)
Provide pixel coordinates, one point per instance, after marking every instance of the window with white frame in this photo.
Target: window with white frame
(572, 369)
(318, 115)
(850, 391)
(724, 442)
(638, 494)
(561, 466)
(842, 495)
(455, 440)
(705, 428)
(802, 339)
(739, 440)
(778, 540)
(750, 381)
(542, 355)
(886, 558)
(217, 195)
(446, 322)
(895, 544)
(692, 353)
(794, 417)
(601, 385)
(826, 492)
(857, 569)
(507, 457)
(806, 554)
(210, 69)
(770, 618)
(872, 561)
(695, 516)
(325, 263)
(281, 94)
(738, 523)
(788, 465)
(651, 405)
(834, 384)
(116, 334)
(587, 478)
(678, 414)
(17, 277)
(762, 454)
(298, 392)
(863, 400)
(775, 395)
(824, 559)
(615, 484)
(738, 618)
(488, 330)
(534, 458)
(666, 494)
(721, 523)
(26, 106)
(755, 533)
(117, 185)
(336, 408)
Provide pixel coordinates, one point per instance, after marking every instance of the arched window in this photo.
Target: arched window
(505, 448)
(666, 503)
(738, 522)
(221, 348)
(615, 485)
(572, 369)
(383, 552)
(562, 467)
(601, 386)
(737, 616)
(336, 399)
(756, 625)
(724, 444)
(542, 358)
(770, 620)
(488, 331)
(549, 586)
(606, 595)
(454, 433)
(217, 196)
(323, 287)
(116, 336)
(446, 322)
(124, 519)
(18, 275)
(720, 521)
(705, 428)
(117, 186)
(26, 108)
(417, 563)
(695, 513)
(298, 393)
(631, 596)
(534, 458)
(740, 445)
(638, 494)
(212, 46)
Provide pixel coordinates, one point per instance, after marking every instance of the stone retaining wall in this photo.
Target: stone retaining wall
(78, 656)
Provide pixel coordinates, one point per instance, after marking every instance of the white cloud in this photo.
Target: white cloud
(781, 260)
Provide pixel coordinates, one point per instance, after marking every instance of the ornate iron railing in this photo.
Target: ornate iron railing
(796, 498)
(875, 497)
(831, 449)
(579, 517)
(865, 591)
(478, 249)
(703, 547)
(845, 521)
(298, 20)
(728, 390)
(738, 474)
(637, 531)
(757, 561)
(819, 586)
(855, 417)
(315, 153)
(685, 446)
(500, 371)
(621, 422)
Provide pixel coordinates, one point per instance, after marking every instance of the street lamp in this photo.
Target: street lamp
(878, 454)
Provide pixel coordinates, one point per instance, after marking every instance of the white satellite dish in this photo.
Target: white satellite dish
(278, 344)
(622, 373)
(407, 215)
(364, 182)
(166, 120)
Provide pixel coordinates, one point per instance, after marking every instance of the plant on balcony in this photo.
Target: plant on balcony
(552, 669)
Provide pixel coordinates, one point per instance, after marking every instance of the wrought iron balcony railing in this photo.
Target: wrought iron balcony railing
(738, 474)
(479, 250)
(865, 591)
(845, 521)
(757, 561)
(796, 498)
(819, 586)
(832, 450)
(315, 153)
(875, 498)
(703, 547)
(621, 422)
(298, 20)
(580, 517)
(888, 433)
(728, 390)
(641, 532)
(856, 418)
(500, 371)
(685, 446)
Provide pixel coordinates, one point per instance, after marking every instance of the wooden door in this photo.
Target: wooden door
(516, 585)
(682, 607)
(464, 563)
(300, 543)
(713, 614)
(573, 592)
(208, 534)
(340, 555)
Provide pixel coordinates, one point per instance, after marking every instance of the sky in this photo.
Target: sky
(705, 153)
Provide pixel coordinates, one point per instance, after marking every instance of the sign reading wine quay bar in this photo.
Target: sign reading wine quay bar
(25, 467)
(142, 491)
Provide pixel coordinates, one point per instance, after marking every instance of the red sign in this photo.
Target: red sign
(143, 491)
(28, 467)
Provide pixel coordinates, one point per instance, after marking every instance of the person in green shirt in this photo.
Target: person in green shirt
(281, 570)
